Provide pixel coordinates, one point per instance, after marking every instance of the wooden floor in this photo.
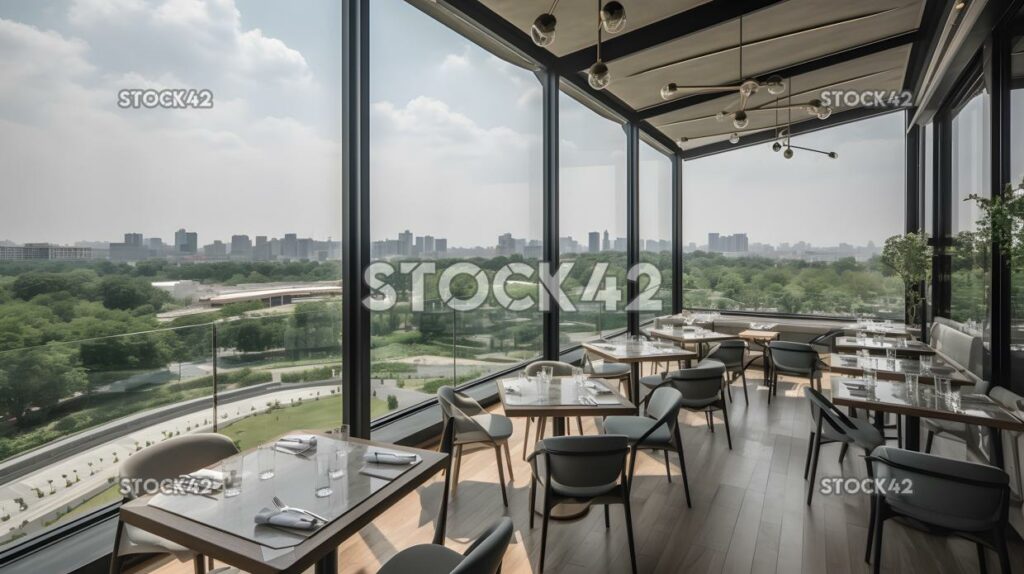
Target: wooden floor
(748, 513)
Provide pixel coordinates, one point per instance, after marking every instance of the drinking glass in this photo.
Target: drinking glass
(341, 433)
(231, 469)
(577, 375)
(912, 381)
(890, 358)
(546, 374)
(861, 336)
(869, 375)
(926, 362)
(953, 400)
(338, 460)
(943, 387)
(265, 457)
(322, 478)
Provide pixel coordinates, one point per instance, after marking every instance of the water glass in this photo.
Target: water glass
(546, 374)
(322, 478)
(869, 375)
(231, 470)
(953, 400)
(926, 362)
(577, 375)
(943, 387)
(339, 460)
(265, 458)
(890, 358)
(912, 380)
(341, 433)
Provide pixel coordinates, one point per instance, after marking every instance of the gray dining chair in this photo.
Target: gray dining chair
(482, 557)
(732, 355)
(832, 426)
(951, 429)
(948, 497)
(658, 430)
(702, 391)
(607, 370)
(167, 460)
(580, 469)
(559, 369)
(474, 425)
(795, 360)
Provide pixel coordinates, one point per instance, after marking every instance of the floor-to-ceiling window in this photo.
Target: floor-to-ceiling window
(1016, 177)
(799, 235)
(655, 232)
(592, 221)
(928, 191)
(970, 175)
(456, 200)
(170, 203)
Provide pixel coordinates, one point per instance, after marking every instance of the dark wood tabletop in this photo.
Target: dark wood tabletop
(845, 364)
(903, 347)
(638, 353)
(558, 402)
(894, 397)
(690, 335)
(255, 558)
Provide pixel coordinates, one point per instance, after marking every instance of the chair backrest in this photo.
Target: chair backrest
(698, 383)
(176, 456)
(558, 368)
(456, 406)
(486, 554)
(945, 492)
(794, 357)
(831, 415)
(731, 353)
(964, 349)
(827, 339)
(585, 461)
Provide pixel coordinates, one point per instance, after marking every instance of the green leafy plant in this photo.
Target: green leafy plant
(1002, 221)
(910, 258)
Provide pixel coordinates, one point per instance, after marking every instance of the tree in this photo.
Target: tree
(38, 378)
(910, 258)
(121, 292)
(392, 402)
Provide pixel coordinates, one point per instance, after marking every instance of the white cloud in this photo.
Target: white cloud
(456, 62)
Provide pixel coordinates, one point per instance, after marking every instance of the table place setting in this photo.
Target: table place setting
(296, 444)
(387, 464)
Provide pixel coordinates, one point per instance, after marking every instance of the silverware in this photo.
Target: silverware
(283, 506)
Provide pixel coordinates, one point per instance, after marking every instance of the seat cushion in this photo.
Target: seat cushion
(498, 427)
(422, 559)
(937, 426)
(652, 381)
(864, 434)
(634, 427)
(139, 541)
(609, 370)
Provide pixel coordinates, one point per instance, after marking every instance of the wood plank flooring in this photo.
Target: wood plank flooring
(749, 513)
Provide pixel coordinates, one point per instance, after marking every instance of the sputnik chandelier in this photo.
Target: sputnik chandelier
(737, 111)
(782, 136)
(611, 18)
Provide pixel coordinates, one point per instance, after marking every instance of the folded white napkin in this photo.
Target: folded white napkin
(286, 518)
(297, 442)
(597, 388)
(204, 479)
(511, 387)
(390, 457)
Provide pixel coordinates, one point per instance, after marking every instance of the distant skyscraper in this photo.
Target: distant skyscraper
(429, 244)
(736, 243)
(594, 242)
(506, 244)
(131, 250)
(417, 248)
(216, 250)
(261, 251)
(405, 243)
(441, 246)
(607, 245)
(186, 241)
(290, 246)
(241, 247)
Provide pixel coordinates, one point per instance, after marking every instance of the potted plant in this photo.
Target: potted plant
(910, 258)
(1002, 221)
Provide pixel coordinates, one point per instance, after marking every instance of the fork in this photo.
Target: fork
(284, 507)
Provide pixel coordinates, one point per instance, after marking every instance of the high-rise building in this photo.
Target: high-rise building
(241, 247)
(131, 250)
(49, 251)
(607, 244)
(261, 251)
(441, 246)
(429, 243)
(417, 248)
(186, 242)
(593, 242)
(405, 243)
(290, 246)
(216, 250)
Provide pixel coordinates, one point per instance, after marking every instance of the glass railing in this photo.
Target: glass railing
(73, 412)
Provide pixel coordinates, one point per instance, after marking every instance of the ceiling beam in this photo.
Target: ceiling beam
(806, 126)
(827, 61)
(935, 13)
(487, 19)
(707, 15)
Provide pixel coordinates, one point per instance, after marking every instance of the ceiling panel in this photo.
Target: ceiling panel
(577, 19)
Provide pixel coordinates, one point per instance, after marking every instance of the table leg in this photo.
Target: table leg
(328, 564)
(997, 449)
(634, 383)
(912, 433)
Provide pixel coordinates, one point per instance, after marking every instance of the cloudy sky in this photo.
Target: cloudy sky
(455, 136)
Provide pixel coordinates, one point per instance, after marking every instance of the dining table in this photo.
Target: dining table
(635, 353)
(898, 330)
(875, 344)
(924, 402)
(558, 399)
(898, 368)
(760, 335)
(698, 336)
(225, 528)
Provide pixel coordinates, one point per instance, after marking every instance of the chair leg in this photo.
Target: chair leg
(682, 466)
(542, 427)
(544, 533)
(807, 461)
(607, 520)
(814, 461)
(508, 459)
(871, 529)
(115, 558)
(455, 472)
(533, 499)
(526, 439)
(743, 377)
(877, 548)
(928, 442)
(501, 474)
(668, 469)
(842, 451)
(899, 430)
(629, 532)
(632, 468)
(579, 425)
(725, 418)
(982, 567)
(711, 421)
(1003, 551)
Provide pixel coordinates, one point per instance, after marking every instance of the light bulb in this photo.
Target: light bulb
(543, 30)
(833, 155)
(788, 154)
(682, 140)
(734, 138)
(739, 120)
(775, 85)
(748, 87)
(669, 91)
(776, 146)
(784, 133)
(613, 17)
(824, 113)
(720, 116)
(598, 76)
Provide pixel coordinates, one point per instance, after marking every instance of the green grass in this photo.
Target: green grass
(108, 496)
(310, 415)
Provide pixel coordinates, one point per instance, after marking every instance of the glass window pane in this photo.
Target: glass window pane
(455, 176)
(155, 236)
(592, 222)
(803, 235)
(656, 228)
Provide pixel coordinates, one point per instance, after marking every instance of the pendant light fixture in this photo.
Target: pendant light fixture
(543, 29)
(611, 18)
(786, 133)
(598, 75)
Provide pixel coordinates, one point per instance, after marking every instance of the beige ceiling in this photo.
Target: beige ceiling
(782, 35)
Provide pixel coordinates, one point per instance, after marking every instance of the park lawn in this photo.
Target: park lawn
(310, 415)
(107, 497)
